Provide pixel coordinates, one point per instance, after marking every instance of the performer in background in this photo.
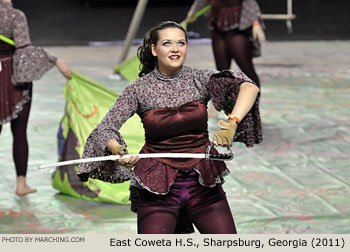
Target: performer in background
(171, 99)
(236, 33)
(19, 66)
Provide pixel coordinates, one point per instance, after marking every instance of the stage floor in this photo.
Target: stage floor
(296, 181)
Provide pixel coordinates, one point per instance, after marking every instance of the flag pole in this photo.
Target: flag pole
(134, 26)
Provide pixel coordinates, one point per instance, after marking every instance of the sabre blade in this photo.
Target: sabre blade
(222, 157)
(116, 157)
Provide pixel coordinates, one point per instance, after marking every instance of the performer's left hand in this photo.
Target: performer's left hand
(63, 67)
(258, 33)
(130, 161)
(224, 137)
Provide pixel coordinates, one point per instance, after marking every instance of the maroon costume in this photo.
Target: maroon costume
(231, 24)
(174, 114)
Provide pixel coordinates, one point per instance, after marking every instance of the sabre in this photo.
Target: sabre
(221, 157)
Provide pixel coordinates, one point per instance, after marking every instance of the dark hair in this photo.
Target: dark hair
(144, 52)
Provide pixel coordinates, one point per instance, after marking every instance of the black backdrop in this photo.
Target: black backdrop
(76, 22)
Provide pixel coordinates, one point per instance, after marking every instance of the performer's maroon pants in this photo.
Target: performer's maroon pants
(11, 97)
(234, 44)
(207, 208)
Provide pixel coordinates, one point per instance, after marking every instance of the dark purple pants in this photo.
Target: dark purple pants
(205, 207)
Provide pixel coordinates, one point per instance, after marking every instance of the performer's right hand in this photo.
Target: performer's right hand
(118, 149)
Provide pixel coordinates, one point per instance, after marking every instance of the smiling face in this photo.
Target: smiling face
(170, 50)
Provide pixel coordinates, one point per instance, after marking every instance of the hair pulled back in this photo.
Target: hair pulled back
(144, 52)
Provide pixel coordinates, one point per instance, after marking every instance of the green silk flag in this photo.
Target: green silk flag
(87, 102)
(129, 68)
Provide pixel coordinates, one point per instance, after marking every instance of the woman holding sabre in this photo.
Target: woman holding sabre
(171, 99)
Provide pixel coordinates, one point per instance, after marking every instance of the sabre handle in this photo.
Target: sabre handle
(221, 157)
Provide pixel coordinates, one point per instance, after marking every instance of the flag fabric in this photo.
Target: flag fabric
(129, 68)
(87, 102)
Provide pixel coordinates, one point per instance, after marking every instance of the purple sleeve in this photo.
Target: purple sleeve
(223, 89)
(109, 171)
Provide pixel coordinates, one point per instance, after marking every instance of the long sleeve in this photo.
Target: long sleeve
(109, 171)
(20, 30)
(250, 12)
(29, 62)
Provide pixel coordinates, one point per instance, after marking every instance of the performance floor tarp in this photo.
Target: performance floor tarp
(296, 181)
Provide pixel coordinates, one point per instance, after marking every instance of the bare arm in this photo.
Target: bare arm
(245, 101)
